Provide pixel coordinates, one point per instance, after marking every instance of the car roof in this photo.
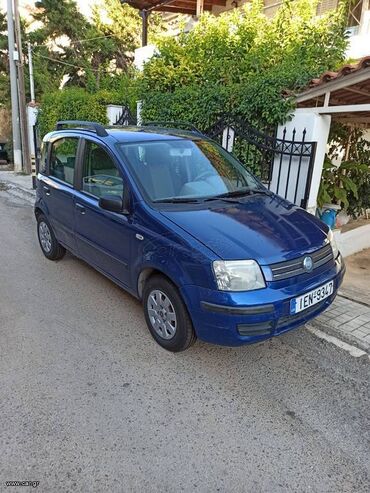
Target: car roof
(136, 134)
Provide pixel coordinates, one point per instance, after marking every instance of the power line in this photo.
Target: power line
(65, 63)
(92, 39)
(80, 40)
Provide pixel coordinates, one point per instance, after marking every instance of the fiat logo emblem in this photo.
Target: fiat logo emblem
(308, 264)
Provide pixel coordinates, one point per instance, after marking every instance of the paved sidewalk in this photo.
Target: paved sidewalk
(22, 181)
(348, 320)
(18, 185)
(356, 283)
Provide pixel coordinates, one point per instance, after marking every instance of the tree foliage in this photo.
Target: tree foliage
(84, 51)
(75, 104)
(72, 50)
(4, 78)
(242, 62)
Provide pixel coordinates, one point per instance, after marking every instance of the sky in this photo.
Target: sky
(85, 6)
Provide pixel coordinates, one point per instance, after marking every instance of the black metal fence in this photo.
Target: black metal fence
(283, 165)
(125, 117)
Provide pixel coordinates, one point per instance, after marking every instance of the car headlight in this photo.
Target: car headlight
(333, 243)
(238, 275)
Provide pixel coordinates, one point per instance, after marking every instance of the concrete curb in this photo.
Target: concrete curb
(17, 185)
(346, 337)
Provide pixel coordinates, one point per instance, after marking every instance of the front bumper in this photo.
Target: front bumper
(238, 318)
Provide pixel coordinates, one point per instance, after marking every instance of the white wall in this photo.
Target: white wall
(359, 43)
(353, 241)
(143, 54)
(31, 118)
(113, 113)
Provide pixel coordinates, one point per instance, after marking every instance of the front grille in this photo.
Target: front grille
(294, 267)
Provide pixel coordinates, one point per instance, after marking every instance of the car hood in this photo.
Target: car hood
(265, 228)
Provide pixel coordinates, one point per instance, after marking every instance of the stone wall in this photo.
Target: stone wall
(5, 124)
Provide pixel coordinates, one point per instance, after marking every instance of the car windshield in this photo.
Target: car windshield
(185, 170)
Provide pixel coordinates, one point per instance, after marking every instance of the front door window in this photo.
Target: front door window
(100, 174)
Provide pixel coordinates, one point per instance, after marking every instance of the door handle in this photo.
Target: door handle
(46, 189)
(81, 208)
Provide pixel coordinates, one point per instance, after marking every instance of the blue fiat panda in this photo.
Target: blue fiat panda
(177, 221)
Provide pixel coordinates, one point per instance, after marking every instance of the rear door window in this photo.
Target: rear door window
(63, 159)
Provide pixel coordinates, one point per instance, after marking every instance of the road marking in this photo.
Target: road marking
(352, 350)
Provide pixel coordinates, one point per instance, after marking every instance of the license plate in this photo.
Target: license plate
(311, 298)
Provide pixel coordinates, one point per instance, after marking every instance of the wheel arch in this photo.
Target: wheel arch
(148, 272)
(38, 211)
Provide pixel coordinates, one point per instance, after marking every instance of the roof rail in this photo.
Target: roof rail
(95, 127)
(173, 124)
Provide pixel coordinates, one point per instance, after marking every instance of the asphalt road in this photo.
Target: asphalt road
(89, 402)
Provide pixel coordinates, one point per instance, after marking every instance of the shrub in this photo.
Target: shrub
(76, 104)
(241, 62)
(349, 183)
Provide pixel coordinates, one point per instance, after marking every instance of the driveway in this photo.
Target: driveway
(89, 402)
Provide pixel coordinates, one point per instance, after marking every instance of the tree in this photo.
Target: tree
(4, 70)
(81, 52)
(123, 24)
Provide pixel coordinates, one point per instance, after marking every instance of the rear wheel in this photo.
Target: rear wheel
(166, 315)
(50, 246)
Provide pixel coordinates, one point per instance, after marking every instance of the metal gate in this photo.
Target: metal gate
(125, 117)
(284, 166)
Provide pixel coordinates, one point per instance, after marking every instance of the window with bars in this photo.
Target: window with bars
(355, 10)
(326, 5)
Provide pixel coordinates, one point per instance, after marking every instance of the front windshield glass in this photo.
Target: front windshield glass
(185, 169)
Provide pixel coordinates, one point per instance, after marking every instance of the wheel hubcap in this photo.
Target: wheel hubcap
(45, 236)
(162, 314)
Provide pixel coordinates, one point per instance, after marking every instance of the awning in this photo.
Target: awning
(345, 94)
(175, 6)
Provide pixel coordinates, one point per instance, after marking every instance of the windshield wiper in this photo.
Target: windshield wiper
(176, 200)
(228, 196)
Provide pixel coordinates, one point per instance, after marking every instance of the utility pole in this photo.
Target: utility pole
(30, 67)
(22, 94)
(17, 151)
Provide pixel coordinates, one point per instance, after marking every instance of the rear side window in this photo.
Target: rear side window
(63, 159)
(100, 174)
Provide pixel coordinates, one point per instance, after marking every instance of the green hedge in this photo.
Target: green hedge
(75, 104)
(242, 62)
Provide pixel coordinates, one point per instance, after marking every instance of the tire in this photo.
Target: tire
(168, 323)
(50, 246)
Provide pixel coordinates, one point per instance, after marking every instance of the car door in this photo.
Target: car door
(103, 237)
(57, 187)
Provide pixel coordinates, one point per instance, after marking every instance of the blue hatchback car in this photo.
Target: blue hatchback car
(177, 221)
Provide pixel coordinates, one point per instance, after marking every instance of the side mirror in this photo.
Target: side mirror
(112, 203)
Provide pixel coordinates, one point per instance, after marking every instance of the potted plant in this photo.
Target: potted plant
(335, 187)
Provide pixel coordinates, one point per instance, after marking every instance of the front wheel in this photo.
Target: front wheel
(166, 315)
